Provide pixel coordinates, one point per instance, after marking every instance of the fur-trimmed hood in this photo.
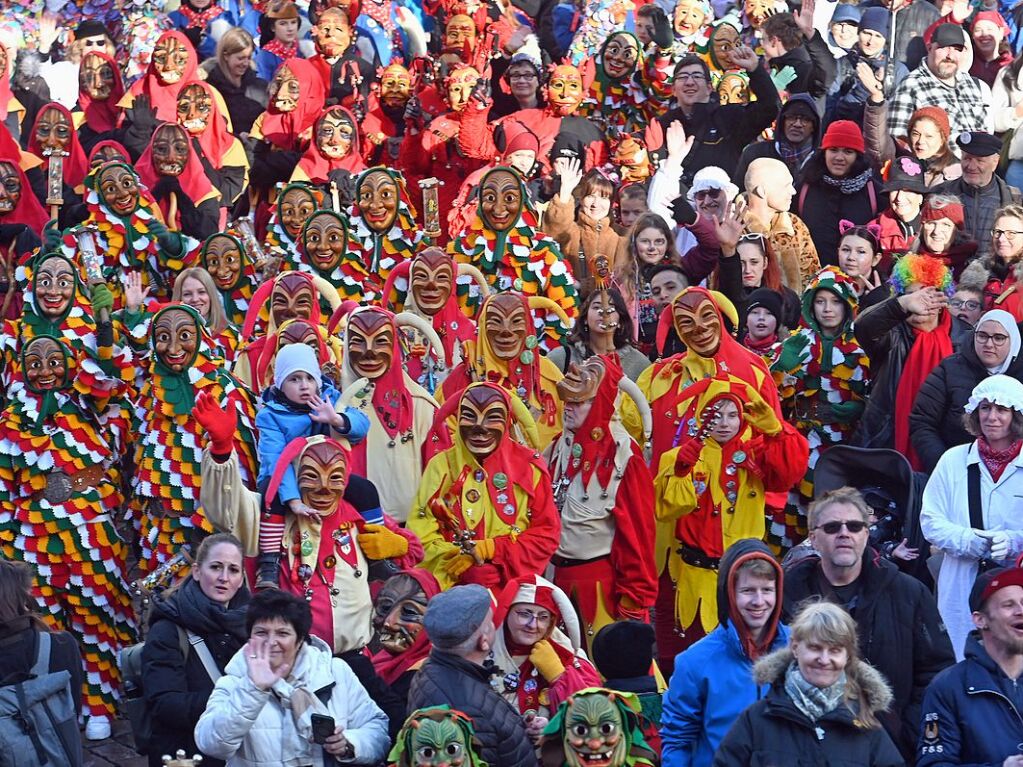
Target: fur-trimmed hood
(771, 670)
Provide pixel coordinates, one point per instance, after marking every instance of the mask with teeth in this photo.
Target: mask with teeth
(285, 90)
(170, 59)
(176, 336)
(437, 737)
(594, 734)
(53, 287)
(223, 258)
(500, 199)
(398, 613)
(95, 77)
(324, 240)
(194, 106)
(10, 188)
(377, 194)
(118, 187)
(294, 208)
(170, 150)
(53, 130)
(45, 362)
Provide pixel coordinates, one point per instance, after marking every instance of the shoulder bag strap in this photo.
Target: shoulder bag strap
(42, 664)
(199, 645)
(973, 494)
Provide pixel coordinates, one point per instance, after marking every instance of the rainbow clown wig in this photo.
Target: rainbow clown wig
(925, 271)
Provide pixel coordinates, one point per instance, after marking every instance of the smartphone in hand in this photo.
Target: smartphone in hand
(323, 728)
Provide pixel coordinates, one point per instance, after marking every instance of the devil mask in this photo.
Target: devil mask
(501, 199)
(482, 420)
(324, 240)
(395, 86)
(431, 280)
(118, 187)
(194, 107)
(322, 477)
(53, 130)
(10, 188)
(96, 77)
(398, 613)
(439, 744)
(697, 323)
(170, 58)
(46, 364)
(54, 286)
(176, 338)
(370, 343)
(507, 324)
(293, 296)
(565, 89)
(378, 200)
(223, 258)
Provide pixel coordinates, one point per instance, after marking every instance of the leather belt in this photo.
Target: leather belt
(696, 558)
(60, 485)
(566, 562)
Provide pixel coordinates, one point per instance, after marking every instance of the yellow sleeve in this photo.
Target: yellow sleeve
(424, 525)
(229, 505)
(674, 496)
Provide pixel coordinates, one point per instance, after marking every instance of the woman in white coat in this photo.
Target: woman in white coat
(260, 712)
(994, 415)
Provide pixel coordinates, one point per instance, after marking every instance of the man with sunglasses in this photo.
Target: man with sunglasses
(900, 630)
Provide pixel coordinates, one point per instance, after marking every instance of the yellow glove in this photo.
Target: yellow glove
(377, 542)
(485, 549)
(545, 659)
(455, 563)
(760, 414)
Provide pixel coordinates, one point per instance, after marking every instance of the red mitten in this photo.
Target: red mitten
(687, 456)
(218, 423)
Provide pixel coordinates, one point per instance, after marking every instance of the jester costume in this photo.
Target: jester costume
(517, 257)
(593, 723)
(168, 451)
(64, 428)
(296, 202)
(822, 381)
(231, 266)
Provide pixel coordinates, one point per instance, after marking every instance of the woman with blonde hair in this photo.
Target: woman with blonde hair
(195, 286)
(231, 72)
(823, 701)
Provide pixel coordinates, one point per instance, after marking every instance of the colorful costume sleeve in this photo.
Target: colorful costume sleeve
(229, 505)
(632, 550)
(675, 496)
(656, 79)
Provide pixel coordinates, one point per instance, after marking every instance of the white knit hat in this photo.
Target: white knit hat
(294, 358)
(711, 177)
(998, 390)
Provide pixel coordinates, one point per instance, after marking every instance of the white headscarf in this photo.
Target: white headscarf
(998, 390)
(1008, 323)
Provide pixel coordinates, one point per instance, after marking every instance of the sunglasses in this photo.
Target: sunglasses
(853, 526)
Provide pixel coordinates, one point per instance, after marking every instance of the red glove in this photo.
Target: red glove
(687, 456)
(218, 423)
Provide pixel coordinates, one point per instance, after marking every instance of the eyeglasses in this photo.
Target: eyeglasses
(704, 193)
(957, 303)
(852, 525)
(996, 338)
(528, 616)
(1008, 234)
(799, 119)
(689, 77)
(522, 76)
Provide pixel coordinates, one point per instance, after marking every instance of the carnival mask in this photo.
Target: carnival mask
(758, 10)
(733, 89)
(594, 732)
(632, 159)
(378, 200)
(299, 332)
(697, 324)
(460, 30)
(438, 744)
(501, 199)
(332, 33)
(194, 107)
(106, 154)
(222, 257)
(176, 338)
(459, 87)
(53, 131)
(620, 56)
(398, 613)
(324, 241)
(119, 188)
(322, 477)
(581, 382)
(296, 206)
(726, 40)
(285, 90)
(170, 150)
(506, 325)
(4, 62)
(689, 17)
(54, 287)
(335, 133)
(482, 420)
(10, 188)
(431, 280)
(565, 89)
(292, 297)
(96, 77)
(395, 86)
(170, 58)
(370, 343)
(46, 364)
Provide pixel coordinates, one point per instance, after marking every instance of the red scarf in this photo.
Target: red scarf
(997, 460)
(389, 667)
(762, 346)
(281, 50)
(215, 140)
(75, 164)
(929, 348)
(593, 435)
(103, 116)
(163, 97)
(199, 19)
(29, 210)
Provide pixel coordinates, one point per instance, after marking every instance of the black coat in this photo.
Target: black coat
(244, 102)
(899, 628)
(465, 686)
(757, 149)
(19, 644)
(177, 688)
(936, 423)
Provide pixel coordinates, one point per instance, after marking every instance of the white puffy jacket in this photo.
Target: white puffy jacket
(249, 727)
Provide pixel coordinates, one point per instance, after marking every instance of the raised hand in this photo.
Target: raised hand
(871, 80)
(728, 228)
(134, 294)
(679, 145)
(926, 301)
(321, 411)
(745, 58)
(804, 18)
(257, 658)
(218, 423)
(760, 414)
(571, 173)
(663, 35)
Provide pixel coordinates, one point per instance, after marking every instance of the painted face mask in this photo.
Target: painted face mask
(632, 158)
(46, 364)
(322, 477)
(170, 150)
(10, 188)
(176, 339)
(53, 130)
(620, 56)
(170, 58)
(697, 324)
(324, 240)
(299, 332)
(581, 382)
(292, 297)
(194, 107)
(335, 133)
(398, 613)
(106, 154)
(461, 29)
(285, 90)
(296, 206)
(432, 279)
(758, 10)
(370, 344)
(378, 200)
(332, 33)
(459, 86)
(689, 17)
(119, 189)
(54, 287)
(733, 89)
(482, 420)
(565, 89)
(96, 77)
(395, 86)
(723, 45)
(222, 257)
(506, 326)
(594, 732)
(501, 199)
(438, 744)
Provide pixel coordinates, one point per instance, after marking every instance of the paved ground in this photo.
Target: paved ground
(117, 751)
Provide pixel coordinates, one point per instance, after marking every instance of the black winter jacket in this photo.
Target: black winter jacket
(446, 678)
(899, 628)
(774, 733)
(758, 149)
(177, 688)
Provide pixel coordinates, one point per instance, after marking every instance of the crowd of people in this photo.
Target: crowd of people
(592, 382)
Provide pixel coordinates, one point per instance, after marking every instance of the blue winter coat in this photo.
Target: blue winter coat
(712, 685)
(278, 424)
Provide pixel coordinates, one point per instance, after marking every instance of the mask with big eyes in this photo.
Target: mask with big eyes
(46, 364)
(378, 200)
(501, 199)
(332, 33)
(295, 208)
(194, 108)
(398, 613)
(733, 89)
(506, 325)
(10, 188)
(565, 89)
(53, 130)
(459, 85)
(292, 297)
(431, 280)
(176, 338)
(460, 29)
(54, 287)
(222, 258)
(438, 744)
(725, 41)
(322, 477)
(119, 188)
(395, 86)
(689, 17)
(697, 324)
(324, 241)
(594, 732)
(620, 56)
(170, 150)
(106, 154)
(581, 382)
(370, 343)
(170, 58)
(96, 77)
(335, 133)
(285, 90)
(299, 332)
(482, 420)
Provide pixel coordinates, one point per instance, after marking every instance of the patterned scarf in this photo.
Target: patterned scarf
(200, 19)
(813, 701)
(793, 156)
(849, 185)
(997, 460)
(281, 50)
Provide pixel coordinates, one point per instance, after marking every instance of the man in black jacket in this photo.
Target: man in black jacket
(900, 631)
(460, 624)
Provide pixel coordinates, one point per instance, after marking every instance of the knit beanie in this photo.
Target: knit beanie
(624, 650)
(843, 134)
(876, 20)
(765, 298)
(294, 358)
(953, 211)
(936, 115)
(522, 140)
